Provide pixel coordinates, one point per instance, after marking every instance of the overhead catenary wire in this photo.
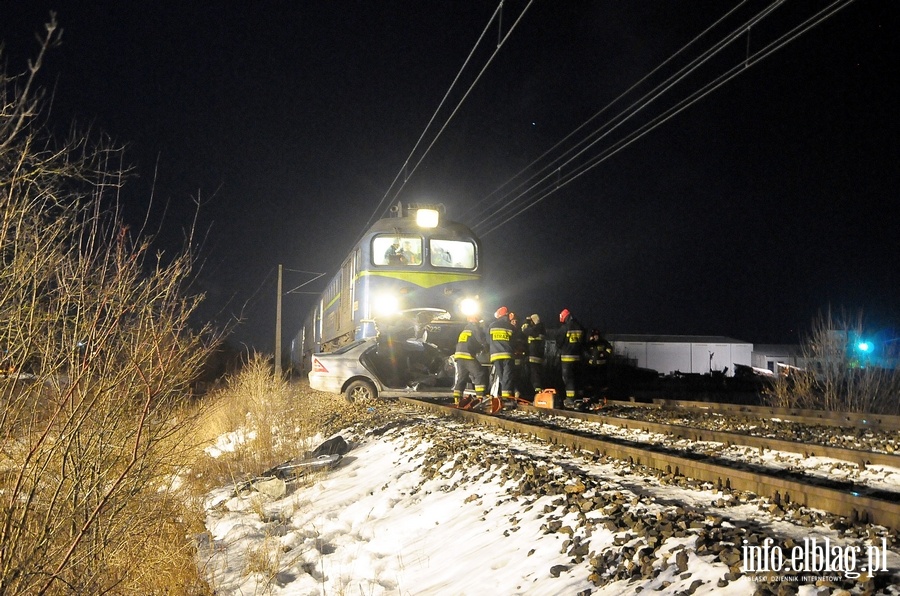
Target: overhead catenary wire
(596, 115)
(469, 90)
(626, 113)
(404, 171)
(403, 168)
(547, 185)
(488, 224)
(316, 274)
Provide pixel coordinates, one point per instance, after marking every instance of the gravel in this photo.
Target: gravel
(640, 519)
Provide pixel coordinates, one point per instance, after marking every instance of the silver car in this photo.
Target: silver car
(373, 367)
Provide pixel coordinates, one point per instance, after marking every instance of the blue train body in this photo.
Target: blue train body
(399, 275)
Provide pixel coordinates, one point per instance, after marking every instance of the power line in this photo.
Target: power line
(307, 282)
(404, 170)
(378, 208)
(469, 90)
(625, 114)
(596, 115)
(546, 185)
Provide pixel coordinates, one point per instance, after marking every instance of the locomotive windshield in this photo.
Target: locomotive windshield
(396, 250)
(459, 254)
(391, 250)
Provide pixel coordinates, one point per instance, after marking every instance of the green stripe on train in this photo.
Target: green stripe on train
(423, 279)
(332, 301)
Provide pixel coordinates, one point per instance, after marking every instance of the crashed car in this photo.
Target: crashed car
(381, 366)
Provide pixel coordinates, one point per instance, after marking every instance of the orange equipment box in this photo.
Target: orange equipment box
(547, 399)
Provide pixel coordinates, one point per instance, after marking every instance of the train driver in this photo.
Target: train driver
(393, 255)
(409, 257)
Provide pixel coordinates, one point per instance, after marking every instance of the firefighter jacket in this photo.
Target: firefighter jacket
(501, 337)
(519, 345)
(570, 340)
(597, 351)
(471, 341)
(535, 334)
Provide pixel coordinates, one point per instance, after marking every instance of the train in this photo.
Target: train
(413, 270)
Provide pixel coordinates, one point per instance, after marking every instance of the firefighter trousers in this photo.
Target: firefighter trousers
(466, 370)
(503, 371)
(568, 375)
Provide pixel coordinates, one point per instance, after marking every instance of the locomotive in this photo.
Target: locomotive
(413, 273)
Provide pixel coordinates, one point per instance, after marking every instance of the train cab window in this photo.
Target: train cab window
(459, 254)
(396, 250)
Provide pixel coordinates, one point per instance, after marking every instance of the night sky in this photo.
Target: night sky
(745, 214)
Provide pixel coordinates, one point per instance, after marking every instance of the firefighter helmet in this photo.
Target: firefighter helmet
(501, 312)
(564, 315)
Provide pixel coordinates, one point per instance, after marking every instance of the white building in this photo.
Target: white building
(666, 354)
(775, 357)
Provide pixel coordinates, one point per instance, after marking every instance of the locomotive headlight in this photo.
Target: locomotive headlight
(469, 307)
(385, 305)
(427, 218)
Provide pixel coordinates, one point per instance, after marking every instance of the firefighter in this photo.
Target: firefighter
(520, 351)
(535, 334)
(597, 349)
(471, 341)
(596, 353)
(501, 337)
(569, 340)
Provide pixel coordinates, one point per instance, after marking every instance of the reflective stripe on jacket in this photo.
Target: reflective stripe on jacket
(501, 333)
(536, 341)
(569, 340)
(471, 340)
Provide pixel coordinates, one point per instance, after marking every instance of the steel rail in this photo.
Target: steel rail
(680, 431)
(847, 502)
(821, 417)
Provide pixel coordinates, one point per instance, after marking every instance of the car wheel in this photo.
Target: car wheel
(360, 390)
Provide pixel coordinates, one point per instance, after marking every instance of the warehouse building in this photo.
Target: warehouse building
(666, 354)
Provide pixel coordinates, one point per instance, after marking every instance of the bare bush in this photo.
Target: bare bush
(96, 328)
(835, 376)
(268, 420)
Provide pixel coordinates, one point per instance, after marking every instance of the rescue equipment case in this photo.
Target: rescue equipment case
(547, 398)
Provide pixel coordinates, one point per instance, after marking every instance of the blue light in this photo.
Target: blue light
(864, 346)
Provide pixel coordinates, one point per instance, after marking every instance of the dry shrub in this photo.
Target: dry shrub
(97, 430)
(834, 376)
(95, 325)
(265, 559)
(269, 421)
(161, 545)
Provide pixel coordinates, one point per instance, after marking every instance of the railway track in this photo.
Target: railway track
(799, 415)
(859, 504)
(751, 435)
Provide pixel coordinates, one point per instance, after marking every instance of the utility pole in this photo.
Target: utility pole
(278, 325)
(278, 329)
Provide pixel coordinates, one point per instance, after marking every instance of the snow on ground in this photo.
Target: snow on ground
(228, 442)
(377, 525)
